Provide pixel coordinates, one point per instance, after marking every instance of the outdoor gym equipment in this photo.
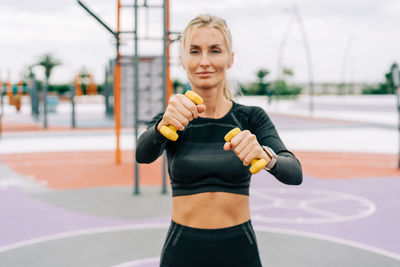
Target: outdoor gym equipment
(170, 131)
(15, 93)
(84, 84)
(256, 164)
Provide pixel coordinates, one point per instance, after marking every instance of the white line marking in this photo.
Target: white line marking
(90, 231)
(329, 239)
(337, 240)
(6, 183)
(323, 213)
(297, 199)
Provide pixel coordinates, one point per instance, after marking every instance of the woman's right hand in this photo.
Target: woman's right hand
(180, 111)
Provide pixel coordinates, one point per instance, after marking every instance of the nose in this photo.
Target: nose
(204, 61)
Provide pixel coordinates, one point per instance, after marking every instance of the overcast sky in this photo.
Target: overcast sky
(369, 28)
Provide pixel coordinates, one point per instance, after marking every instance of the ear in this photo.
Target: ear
(231, 59)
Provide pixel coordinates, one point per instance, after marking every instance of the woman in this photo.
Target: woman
(210, 178)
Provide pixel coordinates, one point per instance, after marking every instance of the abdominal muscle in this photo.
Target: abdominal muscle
(211, 210)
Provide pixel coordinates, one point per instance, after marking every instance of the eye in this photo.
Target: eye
(215, 51)
(194, 51)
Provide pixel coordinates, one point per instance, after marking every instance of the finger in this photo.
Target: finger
(227, 146)
(237, 139)
(176, 112)
(245, 155)
(201, 108)
(249, 157)
(241, 146)
(175, 105)
(169, 120)
(182, 119)
(182, 107)
(255, 153)
(189, 106)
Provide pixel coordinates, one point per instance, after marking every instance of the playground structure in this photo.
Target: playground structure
(13, 94)
(63, 206)
(165, 88)
(84, 84)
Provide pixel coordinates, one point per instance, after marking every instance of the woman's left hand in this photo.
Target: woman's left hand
(246, 147)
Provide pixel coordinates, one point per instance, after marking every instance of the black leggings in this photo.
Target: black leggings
(193, 247)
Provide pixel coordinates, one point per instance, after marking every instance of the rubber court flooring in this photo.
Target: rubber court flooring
(77, 208)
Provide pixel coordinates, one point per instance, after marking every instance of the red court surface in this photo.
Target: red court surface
(20, 127)
(36, 127)
(67, 170)
(348, 165)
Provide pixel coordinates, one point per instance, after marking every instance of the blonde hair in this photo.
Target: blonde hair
(219, 24)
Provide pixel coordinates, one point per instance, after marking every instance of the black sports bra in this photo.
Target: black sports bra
(197, 162)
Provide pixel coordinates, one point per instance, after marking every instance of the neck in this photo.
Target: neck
(214, 100)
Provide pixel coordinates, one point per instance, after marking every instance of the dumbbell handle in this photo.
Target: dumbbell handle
(256, 164)
(170, 131)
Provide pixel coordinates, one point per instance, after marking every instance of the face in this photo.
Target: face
(206, 58)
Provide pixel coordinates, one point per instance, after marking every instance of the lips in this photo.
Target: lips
(204, 72)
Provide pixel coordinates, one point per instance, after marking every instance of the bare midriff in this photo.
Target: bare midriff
(211, 210)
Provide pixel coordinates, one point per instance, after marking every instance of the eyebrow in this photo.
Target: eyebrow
(197, 46)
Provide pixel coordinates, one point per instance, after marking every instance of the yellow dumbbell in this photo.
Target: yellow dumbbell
(256, 164)
(170, 131)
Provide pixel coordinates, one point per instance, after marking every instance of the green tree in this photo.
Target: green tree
(259, 87)
(261, 74)
(48, 62)
(262, 86)
(386, 87)
(282, 88)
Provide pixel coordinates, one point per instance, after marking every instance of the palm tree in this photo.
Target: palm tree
(263, 87)
(261, 73)
(48, 62)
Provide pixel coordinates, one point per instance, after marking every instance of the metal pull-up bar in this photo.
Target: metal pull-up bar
(167, 88)
(117, 79)
(97, 18)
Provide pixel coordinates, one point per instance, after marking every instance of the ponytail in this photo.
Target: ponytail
(227, 90)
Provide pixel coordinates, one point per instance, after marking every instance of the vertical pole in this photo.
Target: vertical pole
(2, 105)
(106, 92)
(30, 79)
(136, 98)
(36, 99)
(2, 92)
(309, 60)
(165, 81)
(396, 86)
(73, 121)
(117, 92)
(8, 87)
(168, 41)
(45, 103)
